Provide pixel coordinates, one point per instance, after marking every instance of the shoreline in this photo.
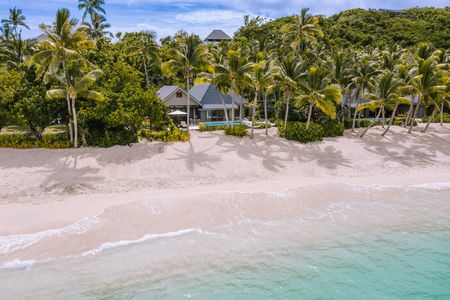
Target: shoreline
(374, 161)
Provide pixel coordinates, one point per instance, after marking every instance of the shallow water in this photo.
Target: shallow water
(321, 242)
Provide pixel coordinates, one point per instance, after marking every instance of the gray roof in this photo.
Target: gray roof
(218, 35)
(208, 94)
(166, 91)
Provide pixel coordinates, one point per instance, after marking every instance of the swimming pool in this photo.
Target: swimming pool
(220, 123)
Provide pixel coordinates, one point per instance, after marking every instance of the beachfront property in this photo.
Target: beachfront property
(205, 102)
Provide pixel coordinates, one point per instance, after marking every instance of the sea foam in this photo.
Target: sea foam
(145, 238)
(11, 243)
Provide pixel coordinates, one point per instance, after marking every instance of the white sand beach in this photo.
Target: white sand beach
(47, 189)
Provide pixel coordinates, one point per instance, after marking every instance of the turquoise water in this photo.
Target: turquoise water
(366, 247)
(213, 124)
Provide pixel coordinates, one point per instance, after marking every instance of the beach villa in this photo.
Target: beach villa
(205, 102)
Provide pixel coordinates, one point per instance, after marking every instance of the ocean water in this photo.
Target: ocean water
(321, 242)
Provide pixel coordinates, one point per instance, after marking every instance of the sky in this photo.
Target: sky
(165, 17)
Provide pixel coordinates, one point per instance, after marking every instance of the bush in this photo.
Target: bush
(54, 137)
(400, 121)
(174, 135)
(238, 130)
(296, 131)
(203, 127)
(437, 118)
(280, 127)
(109, 137)
(332, 128)
(363, 123)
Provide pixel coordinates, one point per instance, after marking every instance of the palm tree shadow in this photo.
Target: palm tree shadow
(193, 158)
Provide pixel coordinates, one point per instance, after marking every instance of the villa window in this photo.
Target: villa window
(179, 95)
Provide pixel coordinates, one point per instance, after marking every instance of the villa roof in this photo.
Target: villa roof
(209, 94)
(218, 35)
(168, 90)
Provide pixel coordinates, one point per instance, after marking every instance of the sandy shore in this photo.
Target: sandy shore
(44, 189)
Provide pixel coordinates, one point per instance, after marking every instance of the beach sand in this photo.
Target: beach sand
(46, 189)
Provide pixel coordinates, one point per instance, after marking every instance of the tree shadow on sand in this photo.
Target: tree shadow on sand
(193, 158)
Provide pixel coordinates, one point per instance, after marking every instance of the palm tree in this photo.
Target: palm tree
(98, 28)
(427, 83)
(289, 70)
(147, 49)
(234, 73)
(77, 89)
(91, 8)
(15, 51)
(362, 76)
(261, 77)
(58, 50)
(187, 56)
(16, 19)
(385, 94)
(316, 91)
(304, 29)
(339, 68)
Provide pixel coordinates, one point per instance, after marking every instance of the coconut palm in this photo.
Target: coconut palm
(385, 95)
(16, 50)
(362, 76)
(316, 91)
(146, 48)
(339, 66)
(304, 29)
(91, 8)
(16, 19)
(427, 81)
(235, 72)
(77, 88)
(98, 28)
(187, 57)
(261, 77)
(55, 53)
(289, 70)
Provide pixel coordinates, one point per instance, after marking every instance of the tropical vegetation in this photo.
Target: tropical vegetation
(313, 76)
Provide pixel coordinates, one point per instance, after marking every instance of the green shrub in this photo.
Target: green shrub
(332, 128)
(203, 127)
(400, 121)
(363, 123)
(280, 127)
(174, 135)
(54, 137)
(109, 137)
(296, 131)
(238, 130)
(437, 118)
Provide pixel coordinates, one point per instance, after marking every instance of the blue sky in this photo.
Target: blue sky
(198, 16)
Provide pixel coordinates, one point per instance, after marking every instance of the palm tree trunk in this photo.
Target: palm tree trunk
(416, 111)
(309, 116)
(391, 120)
(355, 115)
(368, 127)
(241, 110)
(442, 114)
(75, 125)
(430, 120)
(383, 116)
(265, 114)
(408, 116)
(252, 130)
(69, 106)
(287, 111)
(224, 108)
(233, 111)
(147, 80)
(188, 102)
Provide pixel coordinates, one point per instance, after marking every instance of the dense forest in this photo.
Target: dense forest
(93, 88)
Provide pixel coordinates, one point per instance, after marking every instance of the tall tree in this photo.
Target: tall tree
(91, 8)
(187, 56)
(55, 53)
(146, 48)
(98, 28)
(316, 91)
